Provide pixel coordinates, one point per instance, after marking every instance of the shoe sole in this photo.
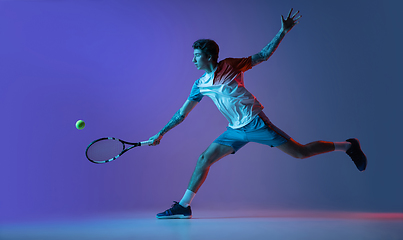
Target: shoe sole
(175, 217)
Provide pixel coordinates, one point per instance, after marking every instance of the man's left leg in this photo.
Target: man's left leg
(300, 151)
(288, 145)
(351, 147)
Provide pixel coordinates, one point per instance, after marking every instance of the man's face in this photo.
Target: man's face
(200, 59)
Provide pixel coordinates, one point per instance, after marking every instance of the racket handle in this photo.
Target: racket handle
(149, 142)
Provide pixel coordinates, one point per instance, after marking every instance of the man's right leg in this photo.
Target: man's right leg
(212, 154)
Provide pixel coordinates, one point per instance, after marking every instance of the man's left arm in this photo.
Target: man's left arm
(286, 25)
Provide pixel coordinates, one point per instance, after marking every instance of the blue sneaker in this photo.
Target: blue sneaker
(356, 154)
(176, 211)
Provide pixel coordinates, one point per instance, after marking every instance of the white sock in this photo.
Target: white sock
(341, 146)
(187, 198)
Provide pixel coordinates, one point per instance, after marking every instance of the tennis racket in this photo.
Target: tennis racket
(107, 149)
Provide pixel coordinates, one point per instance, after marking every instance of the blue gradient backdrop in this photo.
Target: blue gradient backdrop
(125, 68)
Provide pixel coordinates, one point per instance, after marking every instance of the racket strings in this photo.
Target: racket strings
(104, 150)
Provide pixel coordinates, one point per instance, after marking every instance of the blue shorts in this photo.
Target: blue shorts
(260, 130)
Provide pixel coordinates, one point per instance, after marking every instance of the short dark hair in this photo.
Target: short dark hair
(208, 47)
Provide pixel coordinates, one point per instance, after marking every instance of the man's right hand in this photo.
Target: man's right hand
(156, 139)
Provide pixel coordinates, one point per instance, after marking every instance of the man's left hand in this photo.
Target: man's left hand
(288, 23)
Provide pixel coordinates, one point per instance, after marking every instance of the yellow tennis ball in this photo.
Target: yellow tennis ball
(80, 124)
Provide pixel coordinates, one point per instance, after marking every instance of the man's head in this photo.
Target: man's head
(208, 47)
(205, 52)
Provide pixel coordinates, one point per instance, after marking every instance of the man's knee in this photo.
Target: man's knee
(204, 160)
(302, 156)
(302, 153)
(212, 154)
(208, 158)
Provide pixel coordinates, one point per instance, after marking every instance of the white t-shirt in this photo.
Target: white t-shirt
(225, 86)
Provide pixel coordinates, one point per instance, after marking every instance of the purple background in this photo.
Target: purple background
(125, 68)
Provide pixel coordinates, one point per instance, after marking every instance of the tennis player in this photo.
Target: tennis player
(223, 82)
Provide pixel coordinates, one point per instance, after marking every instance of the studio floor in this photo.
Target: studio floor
(217, 225)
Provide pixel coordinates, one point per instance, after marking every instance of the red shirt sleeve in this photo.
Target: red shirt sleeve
(240, 64)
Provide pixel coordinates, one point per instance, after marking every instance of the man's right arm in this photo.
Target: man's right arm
(179, 117)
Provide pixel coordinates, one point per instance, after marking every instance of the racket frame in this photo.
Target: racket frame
(133, 145)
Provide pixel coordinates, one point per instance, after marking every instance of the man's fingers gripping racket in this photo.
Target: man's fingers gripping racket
(155, 140)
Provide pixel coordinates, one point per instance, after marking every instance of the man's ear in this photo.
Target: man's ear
(210, 58)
